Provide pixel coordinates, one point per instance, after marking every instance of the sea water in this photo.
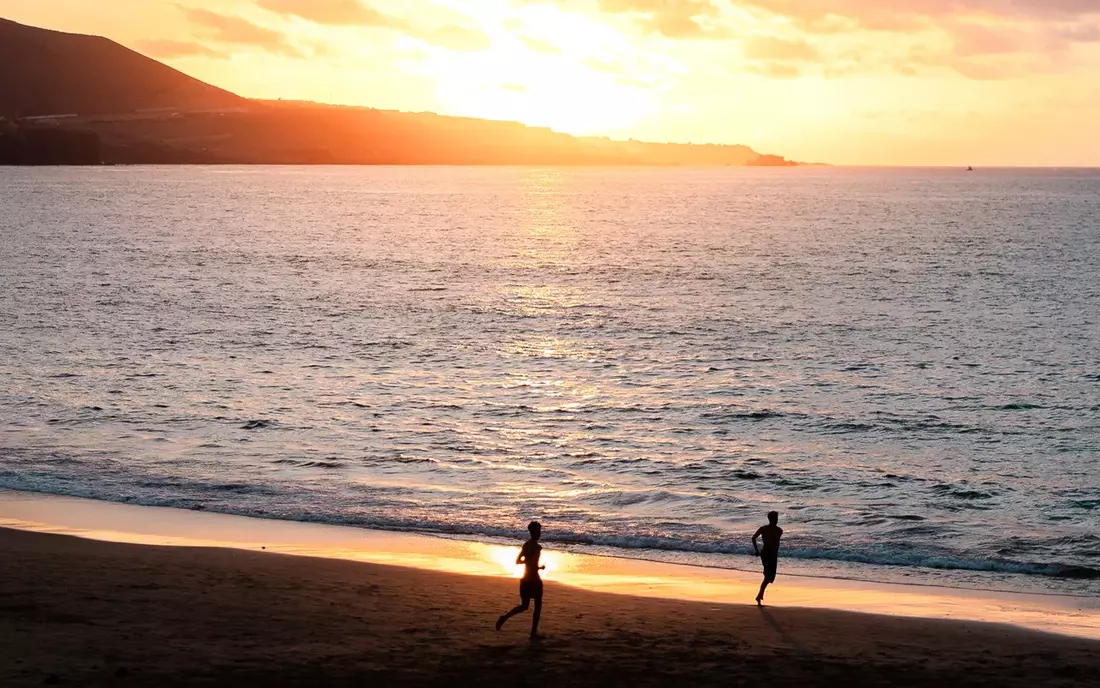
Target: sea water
(904, 363)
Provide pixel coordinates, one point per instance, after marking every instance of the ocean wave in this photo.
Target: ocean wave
(888, 422)
(868, 557)
(257, 424)
(875, 422)
(873, 558)
(191, 496)
(315, 463)
(755, 414)
(963, 492)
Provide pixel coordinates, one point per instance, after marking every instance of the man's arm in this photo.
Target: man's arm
(758, 533)
(522, 555)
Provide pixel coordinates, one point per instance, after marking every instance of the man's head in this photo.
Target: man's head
(535, 528)
(773, 517)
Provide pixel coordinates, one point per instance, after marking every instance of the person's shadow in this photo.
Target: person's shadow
(783, 635)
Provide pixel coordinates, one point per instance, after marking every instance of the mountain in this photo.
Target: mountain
(45, 72)
(74, 99)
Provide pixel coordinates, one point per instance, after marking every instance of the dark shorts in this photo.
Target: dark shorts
(530, 589)
(771, 563)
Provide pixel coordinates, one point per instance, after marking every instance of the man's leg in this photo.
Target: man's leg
(535, 619)
(522, 607)
(763, 586)
(770, 564)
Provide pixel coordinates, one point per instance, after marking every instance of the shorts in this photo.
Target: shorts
(530, 589)
(771, 563)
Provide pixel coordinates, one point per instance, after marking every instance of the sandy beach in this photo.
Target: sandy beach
(75, 611)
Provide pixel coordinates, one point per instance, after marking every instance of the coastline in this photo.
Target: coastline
(142, 525)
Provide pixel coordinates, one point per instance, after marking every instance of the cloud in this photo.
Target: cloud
(1078, 33)
(1041, 8)
(454, 37)
(978, 39)
(776, 48)
(331, 12)
(357, 13)
(827, 16)
(776, 70)
(680, 26)
(167, 50)
(839, 16)
(677, 19)
(988, 71)
(781, 58)
(518, 88)
(692, 19)
(606, 66)
(973, 40)
(996, 60)
(540, 46)
(227, 28)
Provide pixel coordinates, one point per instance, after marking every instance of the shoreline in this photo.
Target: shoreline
(1055, 613)
(794, 565)
(76, 611)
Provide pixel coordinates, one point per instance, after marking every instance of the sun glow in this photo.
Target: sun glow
(505, 557)
(884, 82)
(543, 67)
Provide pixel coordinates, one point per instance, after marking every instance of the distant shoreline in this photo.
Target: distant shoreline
(412, 164)
(319, 134)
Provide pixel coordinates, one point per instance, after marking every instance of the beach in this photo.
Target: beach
(75, 611)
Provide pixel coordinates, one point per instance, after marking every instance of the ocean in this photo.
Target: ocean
(905, 363)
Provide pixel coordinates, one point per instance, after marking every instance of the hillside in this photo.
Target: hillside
(73, 99)
(45, 72)
(308, 133)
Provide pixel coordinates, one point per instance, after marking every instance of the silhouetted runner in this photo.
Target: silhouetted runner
(530, 586)
(770, 556)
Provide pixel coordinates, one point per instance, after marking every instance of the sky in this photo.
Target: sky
(872, 82)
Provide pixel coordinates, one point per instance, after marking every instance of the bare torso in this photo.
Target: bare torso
(531, 553)
(771, 535)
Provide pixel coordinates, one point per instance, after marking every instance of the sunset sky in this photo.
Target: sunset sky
(952, 82)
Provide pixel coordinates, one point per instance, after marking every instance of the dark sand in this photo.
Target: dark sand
(85, 613)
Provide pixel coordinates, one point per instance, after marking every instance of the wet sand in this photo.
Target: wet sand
(113, 522)
(80, 612)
